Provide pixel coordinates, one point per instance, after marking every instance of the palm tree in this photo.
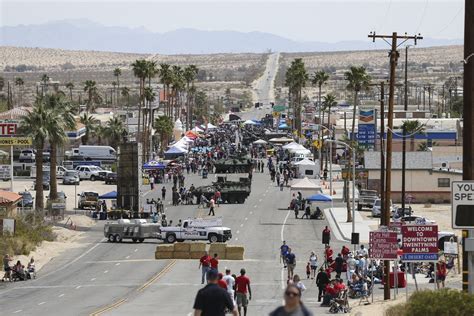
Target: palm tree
(164, 127)
(329, 101)
(117, 74)
(90, 123)
(296, 78)
(19, 83)
(114, 91)
(412, 128)
(166, 79)
(33, 125)
(91, 89)
(150, 97)
(70, 86)
(2, 83)
(177, 87)
(114, 131)
(139, 68)
(358, 79)
(44, 83)
(100, 131)
(319, 78)
(190, 73)
(60, 121)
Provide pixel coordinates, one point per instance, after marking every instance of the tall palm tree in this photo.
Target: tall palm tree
(150, 97)
(33, 125)
(117, 74)
(296, 78)
(70, 86)
(60, 121)
(44, 83)
(100, 131)
(412, 128)
(90, 123)
(164, 127)
(125, 92)
(329, 101)
(91, 88)
(19, 82)
(318, 79)
(139, 68)
(166, 79)
(190, 74)
(2, 83)
(358, 79)
(177, 86)
(114, 131)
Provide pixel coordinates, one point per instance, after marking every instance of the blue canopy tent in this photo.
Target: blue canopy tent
(174, 152)
(319, 198)
(153, 164)
(112, 195)
(283, 126)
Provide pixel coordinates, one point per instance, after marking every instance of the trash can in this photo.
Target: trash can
(401, 282)
(102, 216)
(94, 214)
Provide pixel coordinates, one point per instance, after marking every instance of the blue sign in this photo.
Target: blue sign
(366, 135)
(420, 257)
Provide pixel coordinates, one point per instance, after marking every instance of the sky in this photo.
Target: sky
(301, 20)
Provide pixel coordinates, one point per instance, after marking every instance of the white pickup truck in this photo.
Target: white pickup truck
(197, 229)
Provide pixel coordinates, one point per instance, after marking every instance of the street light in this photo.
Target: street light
(331, 134)
(353, 177)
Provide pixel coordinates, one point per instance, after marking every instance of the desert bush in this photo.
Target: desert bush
(445, 302)
(30, 231)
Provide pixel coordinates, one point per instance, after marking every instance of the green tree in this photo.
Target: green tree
(140, 70)
(296, 78)
(190, 74)
(90, 87)
(44, 83)
(358, 80)
(90, 123)
(19, 82)
(177, 86)
(413, 127)
(2, 83)
(329, 101)
(33, 125)
(114, 131)
(201, 111)
(164, 127)
(117, 74)
(319, 78)
(166, 78)
(60, 121)
(70, 86)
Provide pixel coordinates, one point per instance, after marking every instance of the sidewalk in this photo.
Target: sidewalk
(337, 189)
(337, 219)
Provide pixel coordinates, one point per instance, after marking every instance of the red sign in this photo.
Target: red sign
(420, 242)
(383, 245)
(7, 129)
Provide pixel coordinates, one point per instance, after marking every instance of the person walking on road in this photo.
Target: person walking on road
(213, 300)
(242, 285)
(293, 304)
(230, 281)
(291, 263)
(163, 193)
(326, 236)
(313, 262)
(212, 204)
(339, 265)
(214, 262)
(204, 265)
(283, 251)
(322, 280)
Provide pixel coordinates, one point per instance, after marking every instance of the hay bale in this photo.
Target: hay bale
(165, 248)
(164, 255)
(234, 249)
(218, 248)
(234, 256)
(181, 255)
(182, 246)
(197, 246)
(196, 254)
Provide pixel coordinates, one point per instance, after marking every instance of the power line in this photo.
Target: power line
(422, 16)
(451, 21)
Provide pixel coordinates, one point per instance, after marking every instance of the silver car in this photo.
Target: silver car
(377, 208)
(71, 177)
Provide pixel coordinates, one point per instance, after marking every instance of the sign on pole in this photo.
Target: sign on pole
(383, 245)
(462, 201)
(15, 141)
(420, 242)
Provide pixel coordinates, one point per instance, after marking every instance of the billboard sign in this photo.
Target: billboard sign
(366, 132)
(8, 127)
(420, 242)
(383, 245)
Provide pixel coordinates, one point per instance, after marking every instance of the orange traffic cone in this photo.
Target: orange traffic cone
(333, 192)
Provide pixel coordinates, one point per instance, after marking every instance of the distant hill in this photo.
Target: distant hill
(84, 34)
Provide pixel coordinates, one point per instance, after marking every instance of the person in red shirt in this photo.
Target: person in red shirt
(345, 252)
(339, 286)
(205, 265)
(214, 262)
(326, 236)
(441, 272)
(242, 283)
(221, 282)
(328, 254)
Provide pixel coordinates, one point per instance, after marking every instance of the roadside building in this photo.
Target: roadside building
(8, 203)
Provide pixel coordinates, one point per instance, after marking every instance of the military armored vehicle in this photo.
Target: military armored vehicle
(231, 191)
(235, 164)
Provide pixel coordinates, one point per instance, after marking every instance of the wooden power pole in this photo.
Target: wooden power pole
(388, 166)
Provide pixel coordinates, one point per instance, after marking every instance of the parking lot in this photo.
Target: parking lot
(70, 190)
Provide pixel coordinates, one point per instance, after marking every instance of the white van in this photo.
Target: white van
(94, 152)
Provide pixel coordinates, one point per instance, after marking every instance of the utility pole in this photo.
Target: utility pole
(404, 142)
(468, 133)
(388, 178)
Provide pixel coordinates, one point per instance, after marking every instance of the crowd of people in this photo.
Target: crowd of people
(18, 272)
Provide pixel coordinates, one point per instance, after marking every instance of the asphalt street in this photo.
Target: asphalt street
(124, 278)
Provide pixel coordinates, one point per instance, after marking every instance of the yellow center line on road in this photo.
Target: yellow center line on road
(109, 307)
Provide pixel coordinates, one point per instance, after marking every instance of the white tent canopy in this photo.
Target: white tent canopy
(305, 162)
(281, 140)
(302, 151)
(307, 168)
(260, 142)
(290, 145)
(305, 185)
(210, 126)
(197, 129)
(249, 122)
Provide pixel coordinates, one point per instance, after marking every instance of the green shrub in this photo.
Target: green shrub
(445, 302)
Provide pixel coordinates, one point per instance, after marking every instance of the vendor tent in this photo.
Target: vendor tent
(307, 168)
(197, 129)
(249, 122)
(210, 126)
(153, 164)
(281, 140)
(305, 185)
(290, 145)
(319, 198)
(283, 126)
(191, 134)
(112, 195)
(305, 162)
(300, 151)
(260, 142)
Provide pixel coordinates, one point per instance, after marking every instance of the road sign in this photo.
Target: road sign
(8, 129)
(383, 245)
(317, 143)
(15, 141)
(420, 242)
(462, 201)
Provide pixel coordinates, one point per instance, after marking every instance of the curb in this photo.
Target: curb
(337, 225)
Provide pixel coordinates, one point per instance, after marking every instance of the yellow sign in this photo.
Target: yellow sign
(15, 141)
(276, 114)
(317, 143)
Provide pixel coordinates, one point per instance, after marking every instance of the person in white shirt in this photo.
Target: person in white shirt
(362, 252)
(229, 279)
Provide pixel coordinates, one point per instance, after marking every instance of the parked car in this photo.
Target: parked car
(413, 219)
(377, 208)
(27, 155)
(103, 174)
(111, 178)
(71, 177)
(61, 198)
(26, 199)
(46, 181)
(89, 172)
(88, 199)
